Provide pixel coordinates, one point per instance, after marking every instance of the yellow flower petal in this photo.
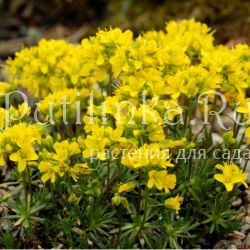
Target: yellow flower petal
(21, 165)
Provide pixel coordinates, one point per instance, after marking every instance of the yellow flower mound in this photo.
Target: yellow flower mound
(157, 71)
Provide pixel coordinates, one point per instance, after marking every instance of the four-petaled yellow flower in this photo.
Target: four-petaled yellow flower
(174, 203)
(49, 170)
(231, 174)
(22, 156)
(162, 180)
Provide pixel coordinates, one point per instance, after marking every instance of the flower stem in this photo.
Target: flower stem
(25, 188)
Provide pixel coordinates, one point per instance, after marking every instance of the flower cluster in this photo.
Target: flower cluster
(61, 162)
(19, 144)
(63, 106)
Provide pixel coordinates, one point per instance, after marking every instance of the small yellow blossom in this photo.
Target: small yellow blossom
(23, 156)
(148, 155)
(162, 180)
(65, 149)
(102, 139)
(127, 187)
(231, 174)
(49, 171)
(174, 203)
(79, 170)
(5, 87)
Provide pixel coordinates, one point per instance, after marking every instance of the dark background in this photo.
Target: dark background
(24, 22)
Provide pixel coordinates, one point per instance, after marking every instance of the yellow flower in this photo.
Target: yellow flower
(13, 115)
(157, 156)
(231, 174)
(19, 140)
(174, 203)
(170, 108)
(244, 108)
(49, 170)
(145, 119)
(54, 103)
(225, 62)
(102, 139)
(22, 156)
(78, 170)
(127, 187)
(119, 62)
(148, 155)
(96, 144)
(161, 179)
(5, 87)
(192, 80)
(115, 37)
(65, 149)
(135, 159)
(190, 36)
(35, 67)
